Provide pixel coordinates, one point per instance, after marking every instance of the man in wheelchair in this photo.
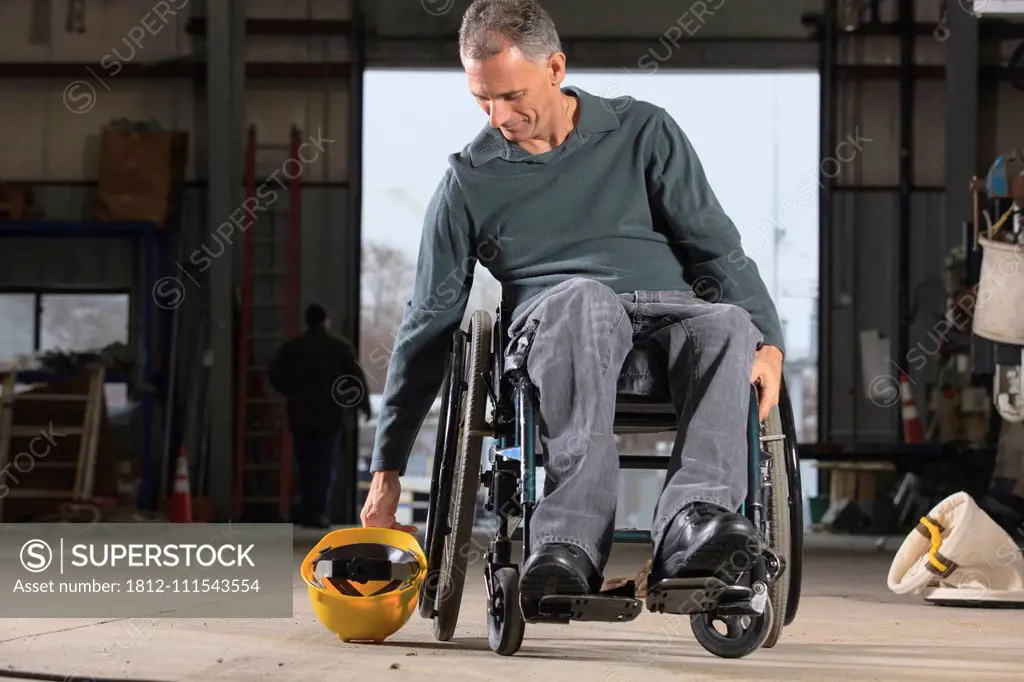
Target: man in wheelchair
(597, 218)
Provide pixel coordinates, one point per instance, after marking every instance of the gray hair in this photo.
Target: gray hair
(488, 26)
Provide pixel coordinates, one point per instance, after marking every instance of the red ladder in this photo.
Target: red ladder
(269, 317)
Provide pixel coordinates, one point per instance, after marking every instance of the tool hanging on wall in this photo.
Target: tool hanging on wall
(997, 318)
(1015, 67)
(850, 14)
(941, 32)
(75, 18)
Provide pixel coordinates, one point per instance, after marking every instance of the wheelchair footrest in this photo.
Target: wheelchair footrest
(702, 595)
(564, 608)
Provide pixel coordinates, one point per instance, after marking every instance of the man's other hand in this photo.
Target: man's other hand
(767, 373)
(382, 502)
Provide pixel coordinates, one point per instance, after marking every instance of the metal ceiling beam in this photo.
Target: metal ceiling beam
(637, 55)
(1001, 8)
(990, 29)
(281, 27)
(183, 69)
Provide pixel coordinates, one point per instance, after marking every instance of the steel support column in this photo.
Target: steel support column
(239, 123)
(345, 496)
(961, 122)
(826, 217)
(354, 173)
(225, 43)
(905, 19)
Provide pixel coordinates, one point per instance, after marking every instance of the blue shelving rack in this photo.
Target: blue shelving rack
(146, 235)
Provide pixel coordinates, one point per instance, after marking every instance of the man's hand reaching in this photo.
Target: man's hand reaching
(382, 502)
(767, 373)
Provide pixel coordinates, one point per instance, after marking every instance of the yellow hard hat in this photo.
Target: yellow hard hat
(364, 582)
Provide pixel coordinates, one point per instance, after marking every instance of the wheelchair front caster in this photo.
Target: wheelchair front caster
(743, 634)
(505, 623)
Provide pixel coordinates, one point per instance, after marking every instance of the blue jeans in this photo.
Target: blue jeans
(315, 453)
(584, 332)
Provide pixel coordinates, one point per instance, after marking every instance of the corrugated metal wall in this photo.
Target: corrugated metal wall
(861, 256)
(49, 128)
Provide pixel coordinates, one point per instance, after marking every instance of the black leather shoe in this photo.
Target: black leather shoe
(704, 540)
(558, 569)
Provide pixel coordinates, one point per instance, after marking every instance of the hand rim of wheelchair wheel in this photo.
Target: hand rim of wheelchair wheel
(451, 575)
(444, 451)
(744, 634)
(779, 536)
(466, 479)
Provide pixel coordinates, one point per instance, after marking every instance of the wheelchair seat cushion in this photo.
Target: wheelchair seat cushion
(643, 401)
(643, 379)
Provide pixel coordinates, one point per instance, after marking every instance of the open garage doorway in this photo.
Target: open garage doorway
(757, 137)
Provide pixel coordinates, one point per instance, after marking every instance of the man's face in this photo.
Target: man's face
(519, 96)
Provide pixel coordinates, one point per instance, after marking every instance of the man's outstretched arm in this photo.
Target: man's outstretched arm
(710, 244)
(417, 363)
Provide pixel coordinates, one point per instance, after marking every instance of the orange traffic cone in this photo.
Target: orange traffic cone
(181, 499)
(913, 429)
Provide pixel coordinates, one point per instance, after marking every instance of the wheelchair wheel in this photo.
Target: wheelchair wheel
(742, 634)
(505, 623)
(794, 571)
(440, 487)
(465, 481)
(779, 534)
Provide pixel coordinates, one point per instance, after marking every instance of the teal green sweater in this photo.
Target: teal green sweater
(624, 201)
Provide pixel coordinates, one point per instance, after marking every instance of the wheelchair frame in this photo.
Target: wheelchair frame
(477, 372)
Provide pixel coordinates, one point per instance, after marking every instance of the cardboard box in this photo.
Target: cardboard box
(139, 174)
(16, 201)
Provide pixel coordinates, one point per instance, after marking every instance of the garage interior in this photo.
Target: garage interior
(138, 313)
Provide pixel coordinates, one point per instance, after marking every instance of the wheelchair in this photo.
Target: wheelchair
(477, 375)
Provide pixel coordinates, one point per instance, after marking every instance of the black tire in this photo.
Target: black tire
(796, 506)
(466, 481)
(779, 531)
(746, 633)
(441, 476)
(505, 623)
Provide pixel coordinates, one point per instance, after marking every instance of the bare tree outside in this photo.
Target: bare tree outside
(17, 325)
(387, 281)
(83, 322)
(388, 275)
(67, 322)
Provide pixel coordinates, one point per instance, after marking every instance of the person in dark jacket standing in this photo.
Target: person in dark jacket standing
(318, 374)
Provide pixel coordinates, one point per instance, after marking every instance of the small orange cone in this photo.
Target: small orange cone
(181, 499)
(913, 429)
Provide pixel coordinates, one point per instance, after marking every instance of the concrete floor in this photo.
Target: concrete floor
(850, 627)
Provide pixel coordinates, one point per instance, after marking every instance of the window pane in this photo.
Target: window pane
(17, 326)
(116, 395)
(83, 322)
